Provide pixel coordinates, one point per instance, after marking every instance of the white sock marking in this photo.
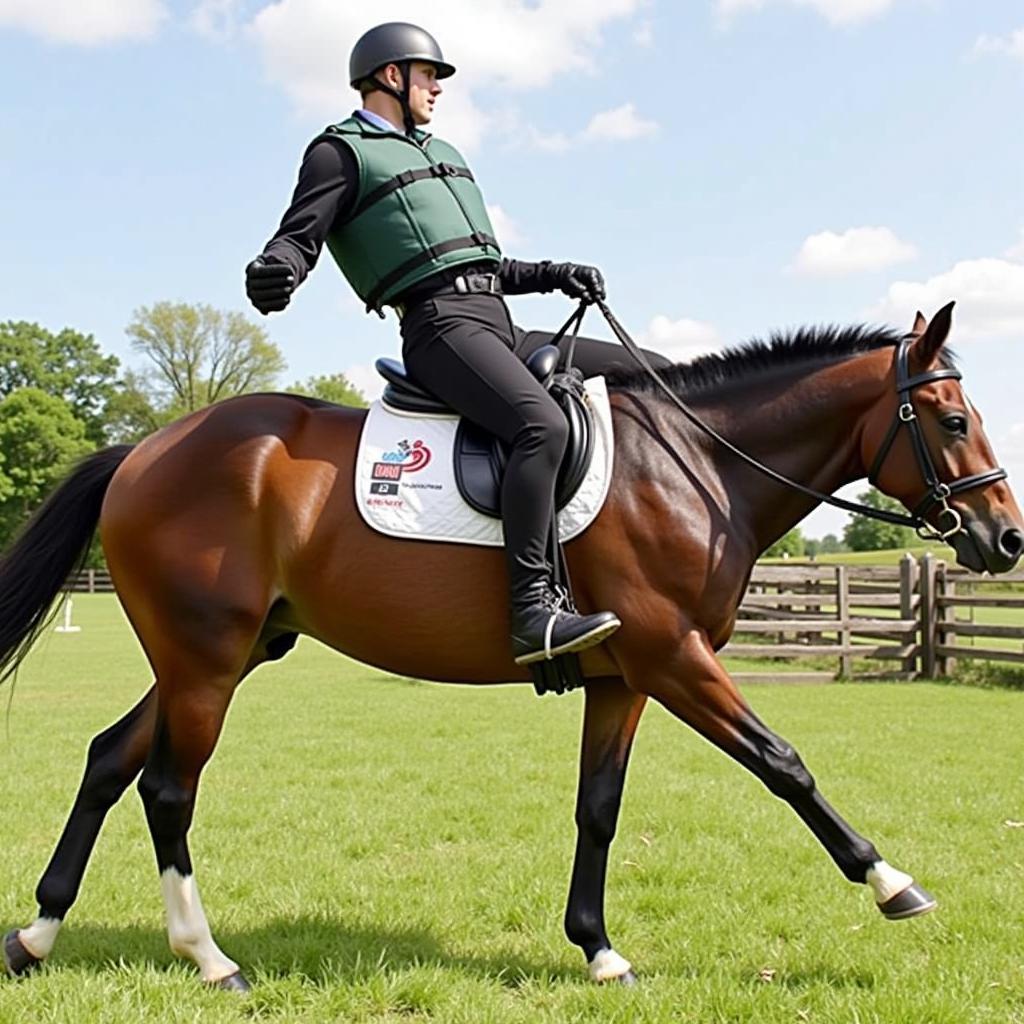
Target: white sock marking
(608, 965)
(886, 881)
(187, 927)
(38, 938)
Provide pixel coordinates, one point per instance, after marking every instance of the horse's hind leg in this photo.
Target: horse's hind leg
(609, 724)
(197, 672)
(190, 722)
(115, 757)
(695, 687)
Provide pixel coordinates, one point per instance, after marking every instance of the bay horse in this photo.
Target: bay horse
(233, 530)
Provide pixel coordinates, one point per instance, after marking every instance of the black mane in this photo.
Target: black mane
(805, 345)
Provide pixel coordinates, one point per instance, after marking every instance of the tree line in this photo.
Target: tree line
(62, 397)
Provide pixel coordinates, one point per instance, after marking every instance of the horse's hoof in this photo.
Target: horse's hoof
(234, 983)
(17, 959)
(628, 979)
(912, 902)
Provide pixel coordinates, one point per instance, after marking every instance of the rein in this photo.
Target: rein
(938, 493)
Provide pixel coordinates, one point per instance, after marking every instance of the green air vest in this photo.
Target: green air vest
(418, 210)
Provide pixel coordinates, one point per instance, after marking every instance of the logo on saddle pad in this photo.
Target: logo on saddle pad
(408, 457)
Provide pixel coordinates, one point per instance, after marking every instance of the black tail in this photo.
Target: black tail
(53, 543)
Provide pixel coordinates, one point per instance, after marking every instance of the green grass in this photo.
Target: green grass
(377, 850)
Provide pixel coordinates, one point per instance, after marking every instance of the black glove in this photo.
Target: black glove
(577, 281)
(269, 285)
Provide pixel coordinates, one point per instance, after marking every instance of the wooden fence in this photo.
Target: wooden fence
(909, 621)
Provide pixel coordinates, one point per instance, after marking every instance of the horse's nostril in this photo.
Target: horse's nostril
(1011, 542)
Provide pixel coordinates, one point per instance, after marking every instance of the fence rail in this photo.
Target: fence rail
(915, 619)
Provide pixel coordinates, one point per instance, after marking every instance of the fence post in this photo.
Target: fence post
(944, 587)
(908, 585)
(92, 581)
(843, 613)
(929, 629)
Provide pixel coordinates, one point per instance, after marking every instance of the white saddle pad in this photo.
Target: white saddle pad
(405, 479)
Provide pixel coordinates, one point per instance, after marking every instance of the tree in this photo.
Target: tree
(200, 355)
(68, 365)
(39, 439)
(864, 534)
(334, 387)
(132, 412)
(789, 545)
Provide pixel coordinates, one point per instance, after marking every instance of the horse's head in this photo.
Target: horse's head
(931, 453)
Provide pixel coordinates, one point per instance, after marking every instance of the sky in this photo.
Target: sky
(732, 166)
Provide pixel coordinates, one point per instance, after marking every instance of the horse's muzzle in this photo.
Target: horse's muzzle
(988, 547)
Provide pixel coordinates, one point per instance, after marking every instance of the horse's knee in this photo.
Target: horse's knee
(784, 773)
(597, 814)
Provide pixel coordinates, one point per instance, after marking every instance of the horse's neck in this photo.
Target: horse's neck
(808, 427)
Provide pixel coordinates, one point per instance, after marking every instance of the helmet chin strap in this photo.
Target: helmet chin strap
(401, 95)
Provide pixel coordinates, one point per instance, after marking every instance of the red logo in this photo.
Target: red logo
(418, 457)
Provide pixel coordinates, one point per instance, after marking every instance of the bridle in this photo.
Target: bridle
(939, 492)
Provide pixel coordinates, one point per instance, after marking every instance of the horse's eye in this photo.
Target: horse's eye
(955, 423)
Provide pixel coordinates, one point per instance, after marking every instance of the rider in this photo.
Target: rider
(406, 223)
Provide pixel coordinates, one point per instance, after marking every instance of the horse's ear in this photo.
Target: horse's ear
(920, 324)
(927, 346)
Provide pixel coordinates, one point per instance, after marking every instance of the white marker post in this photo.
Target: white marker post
(67, 627)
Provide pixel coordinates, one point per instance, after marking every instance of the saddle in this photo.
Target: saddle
(479, 457)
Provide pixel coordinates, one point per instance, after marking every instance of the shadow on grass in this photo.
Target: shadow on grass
(318, 950)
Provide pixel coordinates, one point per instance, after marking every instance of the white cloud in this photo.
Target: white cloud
(855, 251)
(1009, 449)
(506, 230)
(365, 377)
(989, 293)
(837, 12)
(84, 22)
(517, 45)
(617, 124)
(1016, 251)
(1012, 44)
(680, 340)
(613, 125)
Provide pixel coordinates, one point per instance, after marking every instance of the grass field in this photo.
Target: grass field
(377, 850)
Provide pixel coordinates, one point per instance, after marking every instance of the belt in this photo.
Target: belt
(462, 284)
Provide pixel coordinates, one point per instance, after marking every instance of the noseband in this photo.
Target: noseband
(939, 493)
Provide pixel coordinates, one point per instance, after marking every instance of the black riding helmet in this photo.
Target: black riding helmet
(396, 42)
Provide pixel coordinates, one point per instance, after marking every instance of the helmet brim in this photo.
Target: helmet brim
(444, 69)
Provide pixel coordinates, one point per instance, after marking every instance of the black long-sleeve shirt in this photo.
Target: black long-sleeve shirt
(324, 198)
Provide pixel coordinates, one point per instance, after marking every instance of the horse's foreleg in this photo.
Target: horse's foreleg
(610, 720)
(115, 757)
(697, 689)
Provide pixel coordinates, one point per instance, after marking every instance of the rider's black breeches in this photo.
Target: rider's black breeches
(460, 347)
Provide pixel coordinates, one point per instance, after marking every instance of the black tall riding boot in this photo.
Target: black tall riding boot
(542, 628)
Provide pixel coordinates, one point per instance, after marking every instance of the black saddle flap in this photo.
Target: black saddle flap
(480, 458)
